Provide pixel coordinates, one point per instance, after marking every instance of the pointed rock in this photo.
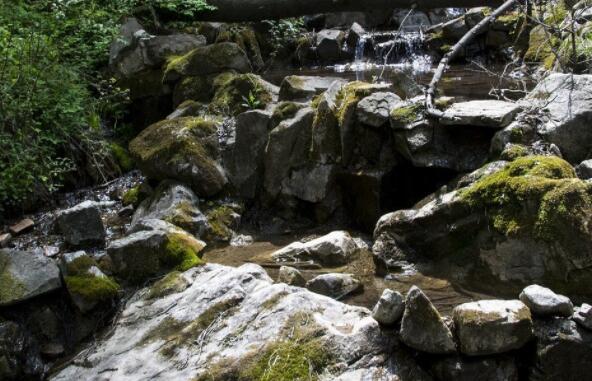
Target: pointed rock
(422, 327)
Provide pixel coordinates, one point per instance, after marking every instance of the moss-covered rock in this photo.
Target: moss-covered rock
(546, 181)
(195, 88)
(209, 59)
(87, 285)
(184, 149)
(235, 93)
(526, 222)
(146, 253)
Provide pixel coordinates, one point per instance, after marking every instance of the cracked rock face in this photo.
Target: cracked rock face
(225, 323)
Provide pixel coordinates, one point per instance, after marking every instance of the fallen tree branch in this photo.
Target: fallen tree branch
(431, 109)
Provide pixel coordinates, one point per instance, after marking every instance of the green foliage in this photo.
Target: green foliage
(55, 98)
(284, 33)
(251, 102)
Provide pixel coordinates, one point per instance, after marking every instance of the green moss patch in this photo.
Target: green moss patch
(301, 355)
(132, 196)
(181, 252)
(93, 289)
(232, 90)
(405, 115)
(172, 283)
(535, 195)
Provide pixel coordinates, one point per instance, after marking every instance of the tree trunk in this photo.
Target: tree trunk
(255, 10)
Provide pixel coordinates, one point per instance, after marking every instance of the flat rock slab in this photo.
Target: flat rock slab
(486, 113)
(300, 87)
(492, 326)
(334, 249)
(22, 226)
(24, 275)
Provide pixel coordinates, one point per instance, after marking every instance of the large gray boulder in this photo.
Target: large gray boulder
(486, 113)
(209, 59)
(492, 326)
(475, 234)
(543, 301)
(422, 327)
(389, 308)
(567, 113)
(374, 110)
(287, 149)
(230, 322)
(25, 275)
(245, 162)
(135, 50)
(175, 203)
(334, 249)
(183, 149)
(302, 87)
(81, 225)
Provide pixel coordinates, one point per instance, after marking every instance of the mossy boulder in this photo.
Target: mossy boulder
(161, 247)
(87, 285)
(527, 222)
(236, 93)
(209, 59)
(184, 149)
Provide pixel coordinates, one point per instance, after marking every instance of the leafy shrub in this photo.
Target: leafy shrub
(55, 94)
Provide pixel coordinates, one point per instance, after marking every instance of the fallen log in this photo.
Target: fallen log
(255, 10)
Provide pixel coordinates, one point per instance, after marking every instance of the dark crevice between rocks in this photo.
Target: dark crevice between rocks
(369, 195)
